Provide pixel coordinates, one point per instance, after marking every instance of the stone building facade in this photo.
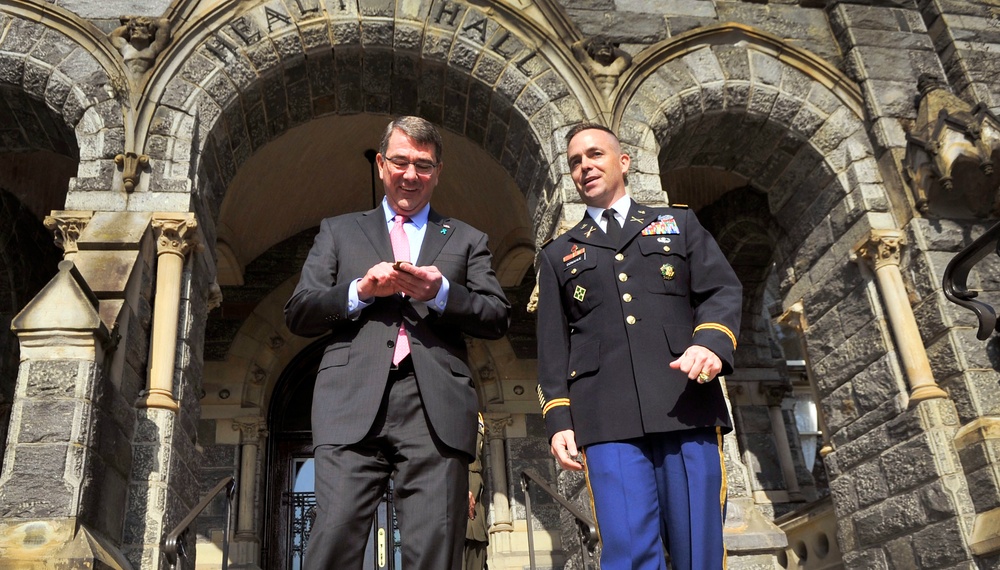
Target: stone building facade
(182, 153)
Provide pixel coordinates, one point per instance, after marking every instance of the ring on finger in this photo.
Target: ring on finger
(703, 377)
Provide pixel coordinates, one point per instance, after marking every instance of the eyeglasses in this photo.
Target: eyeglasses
(423, 167)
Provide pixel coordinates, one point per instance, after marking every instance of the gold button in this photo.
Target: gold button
(619, 257)
(666, 248)
(572, 271)
(622, 277)
(627, 298)
(630, 320)
(572, 374)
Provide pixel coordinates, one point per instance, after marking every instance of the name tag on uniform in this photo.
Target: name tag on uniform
(576, 254)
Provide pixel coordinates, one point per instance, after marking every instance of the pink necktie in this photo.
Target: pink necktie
(401, 251)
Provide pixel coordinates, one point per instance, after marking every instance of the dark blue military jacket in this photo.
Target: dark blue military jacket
(611, 319)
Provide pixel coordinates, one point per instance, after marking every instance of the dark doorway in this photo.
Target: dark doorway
(290, 499)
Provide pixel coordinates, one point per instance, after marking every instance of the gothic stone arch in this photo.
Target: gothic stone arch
(478, 73)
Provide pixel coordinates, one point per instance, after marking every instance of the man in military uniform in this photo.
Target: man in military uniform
(638, 312)
(477, 537)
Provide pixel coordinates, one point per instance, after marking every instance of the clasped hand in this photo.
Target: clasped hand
(382, 280)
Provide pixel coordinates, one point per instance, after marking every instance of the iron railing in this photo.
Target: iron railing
(584, 522)
(956, 277)
(174, 544)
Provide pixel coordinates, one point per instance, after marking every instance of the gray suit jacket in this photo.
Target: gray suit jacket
(355, 366)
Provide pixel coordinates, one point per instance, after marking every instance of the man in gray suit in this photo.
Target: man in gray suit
(394, 395)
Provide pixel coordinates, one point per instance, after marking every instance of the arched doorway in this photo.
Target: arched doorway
(289, 513)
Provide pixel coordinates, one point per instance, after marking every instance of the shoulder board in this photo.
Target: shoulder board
(546, 242)
(685, 206)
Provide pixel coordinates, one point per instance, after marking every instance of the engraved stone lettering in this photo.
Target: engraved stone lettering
(273, 17)
(479, 27)
(450, 8)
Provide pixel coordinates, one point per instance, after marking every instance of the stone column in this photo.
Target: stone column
(251, 431)
(795, 318)
(881, 250)
(175, 237)
(503, 525)
(775, 395)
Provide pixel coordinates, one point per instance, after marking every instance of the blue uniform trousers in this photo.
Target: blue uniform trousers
(660, 489)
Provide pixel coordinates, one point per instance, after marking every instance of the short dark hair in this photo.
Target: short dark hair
(420, 130)
(580, 127)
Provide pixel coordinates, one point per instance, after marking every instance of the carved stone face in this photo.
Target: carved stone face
(140, 28)
(601, 50)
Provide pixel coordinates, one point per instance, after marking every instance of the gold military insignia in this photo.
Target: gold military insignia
(637, 220)
(579, 293)
(667, 271)
(590, 231)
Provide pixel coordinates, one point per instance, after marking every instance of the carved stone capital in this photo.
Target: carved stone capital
(176, 234)
(794, 317)
(251, 430)
(496, 425)
(775, 394)
(881, 248)
(66, 228)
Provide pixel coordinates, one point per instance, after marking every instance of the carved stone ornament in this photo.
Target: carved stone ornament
(213, 299)
(497, 425)
(131, 165)
(775, 394)
(175, 235)
(947, 132)
(603, 61)
(66, 230)
(251, 429)
(881, 248)
(140, 39)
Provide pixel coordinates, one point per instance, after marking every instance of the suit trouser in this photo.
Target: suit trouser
(660, 489)
(430, 489)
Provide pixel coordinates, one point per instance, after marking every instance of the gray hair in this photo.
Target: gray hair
(420, 130)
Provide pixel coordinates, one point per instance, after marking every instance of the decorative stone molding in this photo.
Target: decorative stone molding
(66, 227)
(132, 165)
(946, 131)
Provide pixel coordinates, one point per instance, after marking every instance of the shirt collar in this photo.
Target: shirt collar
(621, 207)
(418, 219)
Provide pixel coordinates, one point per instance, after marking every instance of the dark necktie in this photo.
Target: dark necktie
(614, 231)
